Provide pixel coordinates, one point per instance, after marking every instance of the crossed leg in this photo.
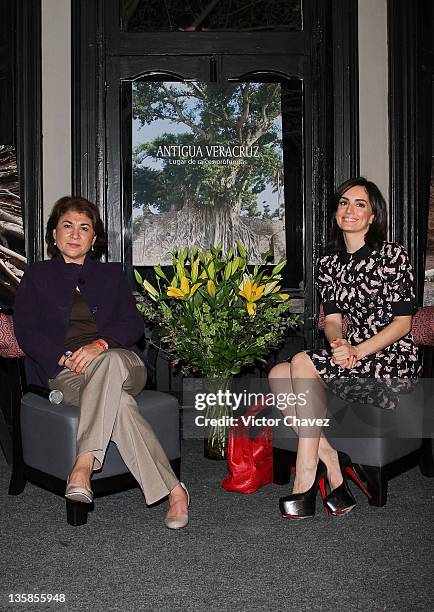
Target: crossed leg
(301, 377)
(108, 411)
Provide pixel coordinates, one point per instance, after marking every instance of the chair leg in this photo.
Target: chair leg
(76, 513)
(283, 461)
(18, 480)
(5, 439)
(18, 477)
(377, 482)
(426, 460)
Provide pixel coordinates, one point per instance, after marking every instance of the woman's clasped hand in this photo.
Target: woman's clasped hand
(82, 357)
(343, 353)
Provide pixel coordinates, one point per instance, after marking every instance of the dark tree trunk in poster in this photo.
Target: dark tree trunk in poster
(12, 247)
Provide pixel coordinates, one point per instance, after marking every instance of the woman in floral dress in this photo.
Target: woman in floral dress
(370, 281)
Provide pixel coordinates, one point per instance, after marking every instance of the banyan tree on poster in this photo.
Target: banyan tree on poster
(207, 168)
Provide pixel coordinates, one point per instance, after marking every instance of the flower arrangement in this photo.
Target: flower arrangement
(216, 316)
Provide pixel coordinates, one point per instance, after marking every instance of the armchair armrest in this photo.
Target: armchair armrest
(9, 346)
(44, 392)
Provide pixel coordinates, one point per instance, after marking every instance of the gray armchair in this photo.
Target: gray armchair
(45, 436)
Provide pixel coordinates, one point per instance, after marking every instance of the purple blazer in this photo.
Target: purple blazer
(43, 305)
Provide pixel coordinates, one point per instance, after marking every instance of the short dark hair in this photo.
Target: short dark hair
(377, 232)
(81, 205)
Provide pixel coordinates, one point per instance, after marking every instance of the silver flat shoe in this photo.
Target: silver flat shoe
(178, 522)
(78, 494)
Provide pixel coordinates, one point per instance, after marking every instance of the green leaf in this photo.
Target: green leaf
(181, 271)
(241, 250)
(160, 273)
(139, 279)
(235, 264)
(211, 270)
(258, 278)
(278, 268)
(228, 271)
(166, 310)
(194, 270)
(261, 360)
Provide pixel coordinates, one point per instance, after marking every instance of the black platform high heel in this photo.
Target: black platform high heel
(302, 505)
(352, 472)
(340, 501)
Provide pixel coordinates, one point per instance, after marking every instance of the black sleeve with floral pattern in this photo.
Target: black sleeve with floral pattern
(325, 285)
(400, 279)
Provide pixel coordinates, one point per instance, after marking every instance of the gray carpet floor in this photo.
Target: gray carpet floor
(238, 553)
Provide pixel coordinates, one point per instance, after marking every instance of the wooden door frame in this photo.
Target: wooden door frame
(329, 40)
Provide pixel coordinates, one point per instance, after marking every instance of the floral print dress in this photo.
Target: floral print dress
(369, 287)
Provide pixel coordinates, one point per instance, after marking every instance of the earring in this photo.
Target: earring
(55, 243)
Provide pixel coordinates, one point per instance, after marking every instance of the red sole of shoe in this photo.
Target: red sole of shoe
(339, 513)
(297, 518)
(355, 478)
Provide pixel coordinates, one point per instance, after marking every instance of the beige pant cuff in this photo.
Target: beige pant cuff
(96, 452)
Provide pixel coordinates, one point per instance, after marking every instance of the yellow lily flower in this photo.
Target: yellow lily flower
(252, 293)
(251, 308)
(184, 292)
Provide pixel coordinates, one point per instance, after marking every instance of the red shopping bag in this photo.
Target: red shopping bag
(249, 460)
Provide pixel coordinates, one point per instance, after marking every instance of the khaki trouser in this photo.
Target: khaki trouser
(108, 411)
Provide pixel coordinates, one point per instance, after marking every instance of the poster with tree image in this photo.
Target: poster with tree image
(12, 246)
(207, 168)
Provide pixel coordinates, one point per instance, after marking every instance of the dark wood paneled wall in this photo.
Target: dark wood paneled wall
(410, 128)
(7, 55)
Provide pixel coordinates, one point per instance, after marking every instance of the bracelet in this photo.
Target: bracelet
(102, 343)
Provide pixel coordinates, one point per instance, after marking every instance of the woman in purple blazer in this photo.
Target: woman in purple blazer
(77, 322)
